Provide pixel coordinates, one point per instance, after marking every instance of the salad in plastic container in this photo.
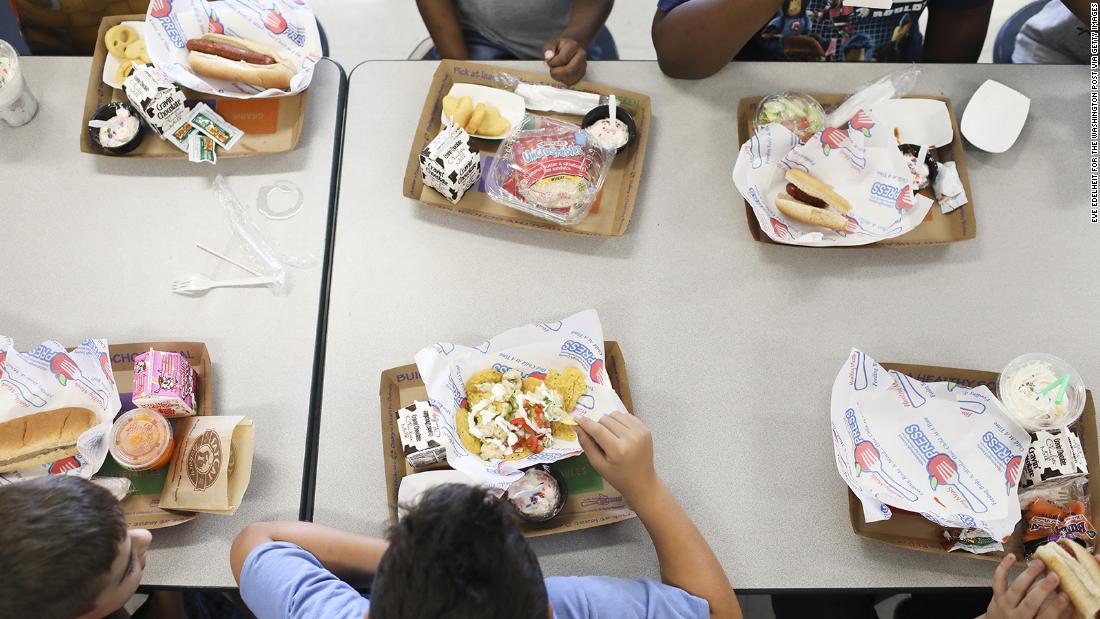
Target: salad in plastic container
(800, 113)
(548, 168)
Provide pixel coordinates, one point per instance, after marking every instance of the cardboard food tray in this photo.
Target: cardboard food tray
(140, 506)
(936, 229)
(611, 214)
(271, 125)
(909, 530)
(592, 501)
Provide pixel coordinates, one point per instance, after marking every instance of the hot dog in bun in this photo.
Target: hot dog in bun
(1078, 573)
(813, 202)
(238, 60)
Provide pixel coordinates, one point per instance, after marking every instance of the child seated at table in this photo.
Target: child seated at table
(563, 33)
(459, 553)
(696, 38)
(65, 551)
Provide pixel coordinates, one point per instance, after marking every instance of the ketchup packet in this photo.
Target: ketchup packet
(549, 169)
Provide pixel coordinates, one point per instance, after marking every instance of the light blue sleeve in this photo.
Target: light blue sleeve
(600, 597)
(281, 581)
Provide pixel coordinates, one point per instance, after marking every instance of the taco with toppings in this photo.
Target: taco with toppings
(509, 417)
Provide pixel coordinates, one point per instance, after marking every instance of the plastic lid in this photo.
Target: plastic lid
(1041, 391)
(141, 439)
(994, 117)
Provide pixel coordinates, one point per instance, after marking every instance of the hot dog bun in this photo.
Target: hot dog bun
(276, 75)
(1078, 572)
(43, 437)
(818, 189)
(807, 214)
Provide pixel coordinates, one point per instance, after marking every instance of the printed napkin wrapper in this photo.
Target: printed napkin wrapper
(860, 160)
(48, 378)
(947, 452)
(534, 350)
(288, 26)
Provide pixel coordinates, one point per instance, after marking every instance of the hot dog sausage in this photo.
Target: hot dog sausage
(229, 52)
(802, 196)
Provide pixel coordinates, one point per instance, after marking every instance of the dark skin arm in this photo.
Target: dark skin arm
(565, 55)
(1080, 8)
(352, 558)
(956, 36)
(698, 38)
(441, 18)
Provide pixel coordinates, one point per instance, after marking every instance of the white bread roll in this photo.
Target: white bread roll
(276, 75)
(41, 438)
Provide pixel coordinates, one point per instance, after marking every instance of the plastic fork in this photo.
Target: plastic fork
(196, 283)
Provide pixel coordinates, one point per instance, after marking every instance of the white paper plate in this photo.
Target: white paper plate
(994, 117)
(110, 65)
(511, 106)
(415, 485)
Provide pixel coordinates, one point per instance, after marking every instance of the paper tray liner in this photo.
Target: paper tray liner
(913, 530)
(936, 229)
(271, 125)
(595, 505)
(611, 214)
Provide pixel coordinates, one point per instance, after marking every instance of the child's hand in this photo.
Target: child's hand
(567, 60)
(1029, 597)
(620, 448)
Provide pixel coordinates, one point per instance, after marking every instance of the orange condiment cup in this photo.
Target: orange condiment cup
(141, 440)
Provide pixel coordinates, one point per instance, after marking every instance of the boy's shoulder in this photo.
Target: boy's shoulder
(576, 597)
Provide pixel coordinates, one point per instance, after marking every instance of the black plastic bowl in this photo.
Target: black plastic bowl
(107, 112)
(563, 494)
(602, 111)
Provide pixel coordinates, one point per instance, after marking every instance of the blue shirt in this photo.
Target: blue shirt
(281, 581)
(816, 30)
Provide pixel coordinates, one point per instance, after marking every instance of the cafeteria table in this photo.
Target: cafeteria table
(91, 245)
(731, 345)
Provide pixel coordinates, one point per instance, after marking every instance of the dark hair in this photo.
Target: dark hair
(59, 537)
(458, 553)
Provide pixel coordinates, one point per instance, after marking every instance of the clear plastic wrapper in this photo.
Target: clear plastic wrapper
(890, 86)
(548, 168)
(543, 98)
(1057, 510)
(799, 113)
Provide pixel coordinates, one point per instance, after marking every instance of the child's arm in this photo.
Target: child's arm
(620, 448)
(348, 556)
(697, 38)
(443, 26)
(565, 55)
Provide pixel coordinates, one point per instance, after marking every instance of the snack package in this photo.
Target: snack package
(534, 350)
(56, 409)
(549, 169)
(449, 164)
(1057, 510)
(212, 465)
(860, 163)
(164, 382)
(420, 438)
(286, 26)
(949, 453)
(1054, 454)
(160, 102)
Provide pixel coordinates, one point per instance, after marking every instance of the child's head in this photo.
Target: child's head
(65, 551)
(458, 553)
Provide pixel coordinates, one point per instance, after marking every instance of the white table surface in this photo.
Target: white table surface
(722, 335)
(91, 245)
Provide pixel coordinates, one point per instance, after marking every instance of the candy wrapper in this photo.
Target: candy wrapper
(576, 341)
(49, 378)
(949, 453)
(862, 163)
(288, 26)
